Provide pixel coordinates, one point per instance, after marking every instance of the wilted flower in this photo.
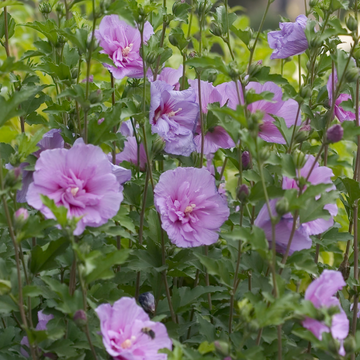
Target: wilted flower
(129, 334)
(122, 43)
(147, 302)
(290, 40)
(321, 293)
(319, 175)
(190, 206)
(335, 133)
(173, 115)
(41, 325)
(215, 138)
(170, 76)
(339, 111)
(83, 180)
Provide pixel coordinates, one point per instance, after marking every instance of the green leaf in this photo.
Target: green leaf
(60, 212)
(43, 258)
(99, 266)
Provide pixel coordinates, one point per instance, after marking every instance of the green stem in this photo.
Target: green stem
(161, 39)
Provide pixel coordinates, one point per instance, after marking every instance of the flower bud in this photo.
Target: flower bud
(253, 326)
(17, 172)
(349, 344)
(282, 206)
(344, 268)
(5, 287)
(192, 54)
(305, 92)
(222, 347)
(45, 8)
(242, 193)
(245, 160)
(80, 318)
(303, 133)
(151, 57)
(299, 158)
(351, 23)
(100, 121)
(12, 178)
(351, 75)
(147, 302)
(313, 3)
(335, 133)
(233, 71)
(158, 145)
(264, 154)
(212, 76)
(74, 73)
(334, 346)
(95, 96)
(20, 217)
(215, 29)
(255, 68)
(60, 9)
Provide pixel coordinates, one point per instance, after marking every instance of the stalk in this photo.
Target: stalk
(161, 40)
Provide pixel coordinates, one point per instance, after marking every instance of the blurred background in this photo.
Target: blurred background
(255, 9)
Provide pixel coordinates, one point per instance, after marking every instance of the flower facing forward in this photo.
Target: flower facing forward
(128, 333)
(83, 180)
(173, 115)
(321, 292)
(290, 40)
(339, 111)
(122, 43)
(191, 208)
(215, 138)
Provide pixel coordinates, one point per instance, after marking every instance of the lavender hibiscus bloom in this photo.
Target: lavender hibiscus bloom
(285, 109)
(290, 40)
(122, 43)
(319, 175)
(217, 137)
(83, 180)
(170, 76)
(339, 111)
(173, 115)
(41, 325)
(301, 239)
(321, 292)
(130, 150)
(191, 208)
(129, 334)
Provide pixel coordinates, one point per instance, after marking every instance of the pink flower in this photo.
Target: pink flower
(173, 115)
(42, 325)
(170, 76)
(83, 180)
(339, 111)
(290, 40)
(22, 214)
(215, 138)
(122, 43)
(321, 293)
(319, 175)
(191, 209)
(129, 334)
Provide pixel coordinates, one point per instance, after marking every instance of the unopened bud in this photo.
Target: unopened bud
(255, 68)
(305, 92)
(192, 54)
(80, 318)
(282, 206)
(100, 121)
(95, 96)
(299, 158)
(245, 160)
(303, 133)
(20, 217)
(264, 154)
(147, 302)
(74, 73)
(351, 23)
(212, 76)
(60, 8)
(17, 172)
(351, 75)
(233, 71)
(222, 347)
(45, 8)
(215, 29)
(151, 57)
(313, 3)
(242, 193)
(334, 346)
(158, 145)
(349, 344)
(253, 326)
(335, 133)
(5, 287)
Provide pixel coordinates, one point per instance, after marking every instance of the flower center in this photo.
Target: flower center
(172, 113)
(189, 209)
(125, 51)
(74, 191)
(126, 344)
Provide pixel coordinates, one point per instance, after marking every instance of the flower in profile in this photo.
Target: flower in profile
(290, 40)
(173, 115)
(41, 325)
(319, 175)
(83, 180)
(130, 150)
(129, 334)
(217, 137)
(339, 111)
(191, 208)
(122, 43)
(301, 239)
(321, 292)
(170, 76)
